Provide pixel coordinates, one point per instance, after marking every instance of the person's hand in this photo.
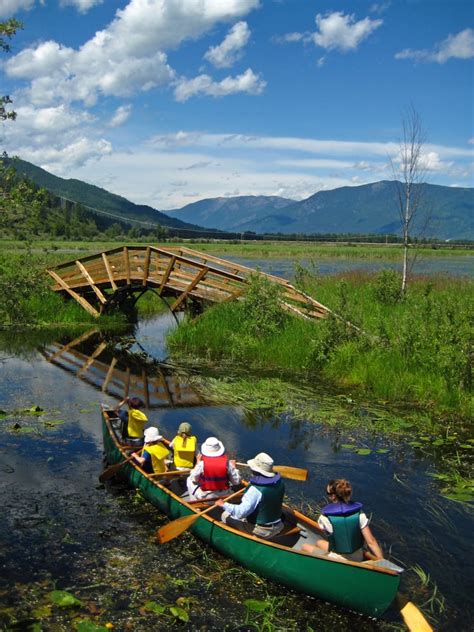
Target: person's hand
(220, 502)
(199, 458)
(232, 462)
(134, 454)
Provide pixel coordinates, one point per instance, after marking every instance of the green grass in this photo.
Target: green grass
(416, 352)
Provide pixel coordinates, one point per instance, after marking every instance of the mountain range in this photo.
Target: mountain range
(365, 209)
(447, 212)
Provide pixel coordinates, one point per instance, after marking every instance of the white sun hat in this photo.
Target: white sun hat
(212, 447)
(152, 434)
(263, 464)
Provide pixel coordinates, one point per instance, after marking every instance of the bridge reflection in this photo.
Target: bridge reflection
(119, 372)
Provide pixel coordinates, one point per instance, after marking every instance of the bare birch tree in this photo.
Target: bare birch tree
(409, 170)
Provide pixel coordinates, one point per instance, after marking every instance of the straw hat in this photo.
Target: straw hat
(263, 464)
(212, 447)
(152, 434)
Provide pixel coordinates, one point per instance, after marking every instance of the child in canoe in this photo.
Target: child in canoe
(133, 420)
(345, 526)
(152, 457)
(184, 447)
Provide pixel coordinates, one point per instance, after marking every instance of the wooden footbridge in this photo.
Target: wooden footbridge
(92, 360)
(117, 278)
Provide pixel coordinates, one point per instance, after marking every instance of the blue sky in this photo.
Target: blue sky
(170, 101)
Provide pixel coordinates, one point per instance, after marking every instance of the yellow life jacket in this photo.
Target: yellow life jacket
(136, 421)
(184, 454)
(158, 454)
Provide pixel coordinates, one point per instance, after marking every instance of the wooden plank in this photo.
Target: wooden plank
(127, 263)
(165, 278)
(147, 265)
(109, 271)
(91, 358)
(200, 275)
(91, 282)
(80, 299)
(109, 374)
(73, 343)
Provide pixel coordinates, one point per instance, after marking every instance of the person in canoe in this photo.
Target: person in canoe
(152, 457)
(184, 447)
(133, 420)
(214, 472)
(345, 526)
(259, 512)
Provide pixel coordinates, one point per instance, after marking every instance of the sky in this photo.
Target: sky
(167, 102)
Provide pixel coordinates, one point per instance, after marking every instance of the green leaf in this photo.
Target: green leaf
(439, 442)
(467, 446)
(363, 451)
(54, 422)
(85, 625)
(415, 444)
(347, 446)
(154, 606)
(179, 613)
(255, 605)
(383, 451)
(64, 599)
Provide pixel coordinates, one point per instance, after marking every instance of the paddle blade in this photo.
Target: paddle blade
(413, 617)
(295, 473)
(175, 528)
(112, 470)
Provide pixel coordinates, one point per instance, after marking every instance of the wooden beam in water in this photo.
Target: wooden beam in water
(80, 299)
(110, 372)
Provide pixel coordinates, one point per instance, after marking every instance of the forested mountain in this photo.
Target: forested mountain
(94, 197)
(366, 209)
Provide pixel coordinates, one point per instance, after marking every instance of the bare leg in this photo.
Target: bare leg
(321, 546)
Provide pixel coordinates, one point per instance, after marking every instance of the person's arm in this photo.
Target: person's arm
(372, 543)
(140, 459)
(196, 472)
(249, 503)
(124, 401)
(233, 473)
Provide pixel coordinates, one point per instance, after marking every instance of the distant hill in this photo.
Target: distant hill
(94, 197)
(230, 213)
(365, 209)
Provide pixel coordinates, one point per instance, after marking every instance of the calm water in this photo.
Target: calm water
(453, 266)
(59, 528)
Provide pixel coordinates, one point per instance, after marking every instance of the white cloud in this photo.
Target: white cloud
(459, 46)
(247, 82)
(127, 56)
(122, 114)
(379, 7)
(230, 49)
(10, 8)
(341, 32)
(82, 5)
(471, 141)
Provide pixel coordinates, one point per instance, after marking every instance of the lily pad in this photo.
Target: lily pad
(439, 441)
(64, 599)
(154, 606)
(363, 451)
(383, 451)
(85, 625)
(179, 613)
(54, 422)
(466, 446)
(347, 446)
(255, 605)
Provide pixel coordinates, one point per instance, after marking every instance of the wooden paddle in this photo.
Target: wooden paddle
(112, 470)
(175, 528)
(413, 617)
(295, 473)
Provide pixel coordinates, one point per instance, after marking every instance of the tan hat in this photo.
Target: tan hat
(212, 447)
(152, 434)
(185, 427)
(263, 464)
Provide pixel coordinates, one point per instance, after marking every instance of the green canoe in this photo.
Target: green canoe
(362, 587)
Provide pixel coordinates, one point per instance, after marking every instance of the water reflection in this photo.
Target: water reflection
(51, 475)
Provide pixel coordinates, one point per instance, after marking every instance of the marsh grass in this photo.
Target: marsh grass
(416, 352)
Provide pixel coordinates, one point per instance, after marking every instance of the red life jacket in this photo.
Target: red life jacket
(214, 476)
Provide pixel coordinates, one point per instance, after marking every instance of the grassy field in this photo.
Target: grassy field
(63, 250)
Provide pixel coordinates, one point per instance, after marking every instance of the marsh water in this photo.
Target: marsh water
(60, 529)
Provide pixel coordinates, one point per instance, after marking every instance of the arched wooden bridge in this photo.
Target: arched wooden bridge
(120, 276)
